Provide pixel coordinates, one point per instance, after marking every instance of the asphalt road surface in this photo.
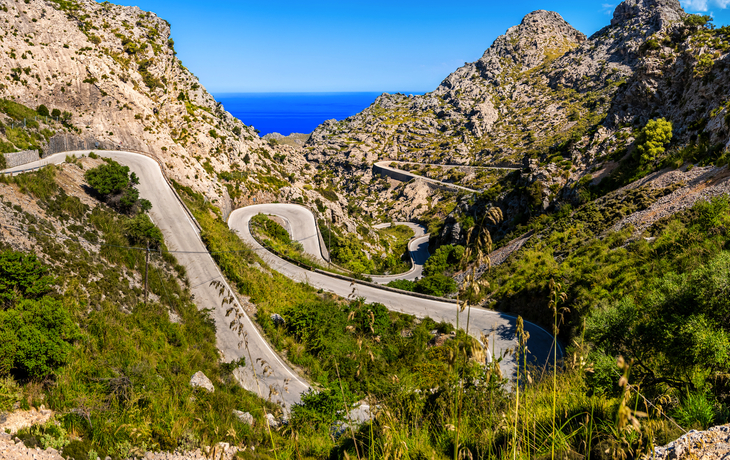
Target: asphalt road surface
(386, 165)
(500, 328)
(418, 249)
(181, 235)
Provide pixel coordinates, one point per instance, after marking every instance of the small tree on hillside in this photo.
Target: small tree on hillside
(116, 186)
(650, 144)
(43, 111)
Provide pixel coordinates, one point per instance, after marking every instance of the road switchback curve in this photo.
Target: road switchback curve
(183, 238)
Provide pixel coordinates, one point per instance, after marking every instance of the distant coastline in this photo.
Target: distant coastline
(287, 113)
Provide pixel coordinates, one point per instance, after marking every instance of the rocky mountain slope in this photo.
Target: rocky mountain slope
(545, 97)
(112, 74)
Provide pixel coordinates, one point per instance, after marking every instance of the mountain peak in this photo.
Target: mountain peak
(539, 35)
(542, 15)
(659, 12)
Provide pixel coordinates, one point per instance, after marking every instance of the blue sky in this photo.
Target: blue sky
(354, 45)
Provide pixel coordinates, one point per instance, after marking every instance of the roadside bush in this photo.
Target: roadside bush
(141, 230)
(405, 285)
(443, 259)
(438, 285)
(116, 186)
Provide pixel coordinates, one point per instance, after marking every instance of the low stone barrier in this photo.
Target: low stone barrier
(386, 288)
(21, 158)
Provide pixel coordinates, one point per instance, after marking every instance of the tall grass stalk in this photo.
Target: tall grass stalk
(347, 411)
(556, 297)
(522, 337)
(236, 325)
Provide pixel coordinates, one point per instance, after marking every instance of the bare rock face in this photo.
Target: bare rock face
(713, 444)
(546, 97)
(200, 380)
(657, 13)
(115, 71)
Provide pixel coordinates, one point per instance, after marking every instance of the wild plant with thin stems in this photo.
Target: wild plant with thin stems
(627, 419)
(522, 337)
(482, 247)
(472, 285)
(557, 296)
(237, 326)
(371, 325)
(347, 412)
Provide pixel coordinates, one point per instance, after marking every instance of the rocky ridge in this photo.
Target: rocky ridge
(114, 70)
(545, 97)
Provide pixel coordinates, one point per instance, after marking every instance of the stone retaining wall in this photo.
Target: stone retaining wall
(405, 177)
(20, 158)
(69, 142)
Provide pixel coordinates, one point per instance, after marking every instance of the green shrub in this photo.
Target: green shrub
(697, 20)
(10, 393)
(22, 276)
(695, 411)
(437, 285)
(649, 45)
(271, 229)
(116, 186)
(36, 337)
(43, 111)
(405, 285)
(141, 231)
(654, 136)
(330, 195)
(149, 80)
(443, 260)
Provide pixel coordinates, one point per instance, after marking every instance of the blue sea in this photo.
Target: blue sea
(287, 113)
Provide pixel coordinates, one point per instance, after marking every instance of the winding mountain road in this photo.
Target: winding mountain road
(404, 175)
(500, 328)
(418, 249)
(182, 237)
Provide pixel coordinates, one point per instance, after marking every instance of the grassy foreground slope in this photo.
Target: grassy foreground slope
(78, 338)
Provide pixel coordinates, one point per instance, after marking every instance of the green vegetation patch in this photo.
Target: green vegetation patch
(120, 368)
(117, 187)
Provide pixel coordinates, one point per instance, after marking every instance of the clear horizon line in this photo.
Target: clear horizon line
(318, 92)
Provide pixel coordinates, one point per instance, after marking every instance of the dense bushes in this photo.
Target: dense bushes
(35, 337)
(36, 330)
(116, 186)
(22, 276)
(115, 370)
(662, 303)
(436, 280)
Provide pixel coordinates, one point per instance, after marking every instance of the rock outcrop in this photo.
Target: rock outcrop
(713, 444)
(113, 70)
(546, 97)
(200, 380)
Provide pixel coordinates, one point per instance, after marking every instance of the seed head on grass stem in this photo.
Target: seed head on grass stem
(237, 326)
(557, 296)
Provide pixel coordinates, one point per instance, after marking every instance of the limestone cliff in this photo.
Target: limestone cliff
(113, 69)
(545, 97)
